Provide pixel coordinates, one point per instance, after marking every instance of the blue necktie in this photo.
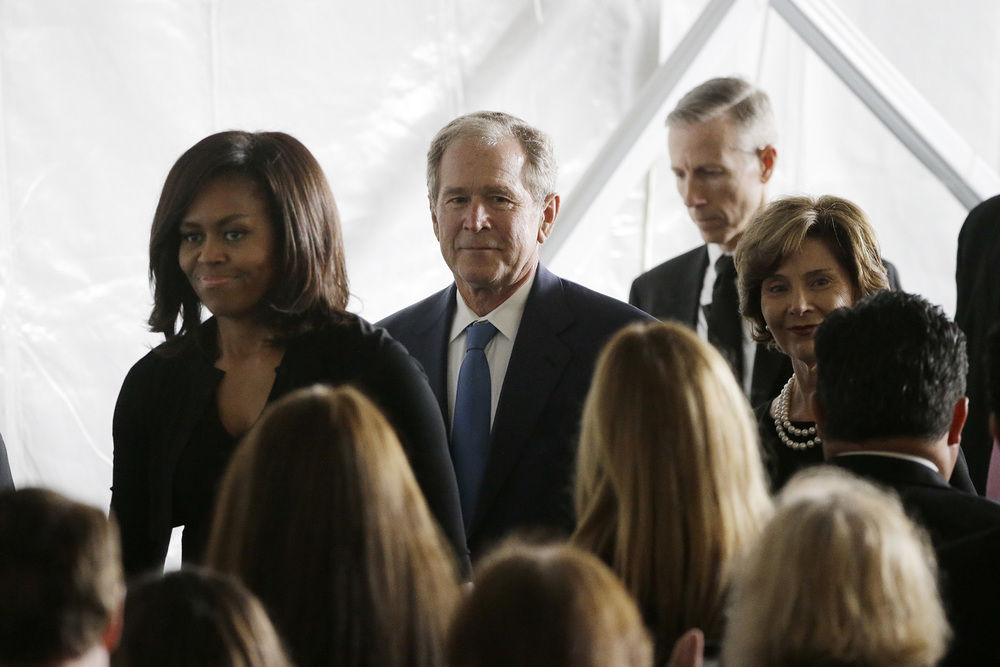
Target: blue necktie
(470, 430)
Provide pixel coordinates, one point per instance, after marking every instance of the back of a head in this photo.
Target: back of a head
(893, 365)
(670, 485)
(60, 577)
(547, 605)
(841, 576)
(196, 617)
(745, 105)
(320, 516)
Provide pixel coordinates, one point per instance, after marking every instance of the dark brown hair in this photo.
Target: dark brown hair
(309, 252)
(320, 516)
(60, 577)
(196, 617)
(778, 231)
(550, 605)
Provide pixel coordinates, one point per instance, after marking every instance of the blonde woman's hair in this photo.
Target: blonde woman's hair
(840, 576)
(320, 516)
(778, 231)
(547, 606)
(670, 487)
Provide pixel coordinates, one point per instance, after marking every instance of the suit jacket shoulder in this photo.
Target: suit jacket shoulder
(671, 290)
(947, 513)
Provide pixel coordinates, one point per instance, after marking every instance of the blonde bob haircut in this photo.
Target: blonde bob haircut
(547, 606)
(320, 516)
(780, 229)
(841, 576)
(670, 488)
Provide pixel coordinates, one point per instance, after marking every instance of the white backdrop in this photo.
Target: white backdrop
(97, 99)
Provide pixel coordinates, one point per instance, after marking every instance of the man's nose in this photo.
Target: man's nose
(476, 217)
(691, 191)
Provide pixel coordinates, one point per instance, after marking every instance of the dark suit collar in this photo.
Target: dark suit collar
(688, 291)
(892, 471)
(537, 361)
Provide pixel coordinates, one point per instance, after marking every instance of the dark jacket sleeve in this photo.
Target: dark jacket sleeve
(6, 480)
(402, 392)
(131, 486)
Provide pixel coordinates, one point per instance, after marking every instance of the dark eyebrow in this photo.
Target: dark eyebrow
(232, 217)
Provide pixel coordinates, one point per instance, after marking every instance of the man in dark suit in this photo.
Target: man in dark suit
(978, 309)
(512, 397)
(890, 405)
(721, 141)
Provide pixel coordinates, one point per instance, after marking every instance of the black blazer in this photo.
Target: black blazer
(528, 480)
(970, 587)
(969, 581)
(672, 291)
(163, 397)
(977, 277)
(946, 512)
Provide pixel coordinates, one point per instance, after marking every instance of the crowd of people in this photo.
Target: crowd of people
(757, 461)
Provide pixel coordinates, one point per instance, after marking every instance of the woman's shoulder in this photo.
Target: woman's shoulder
(171, 358)
(352, 339)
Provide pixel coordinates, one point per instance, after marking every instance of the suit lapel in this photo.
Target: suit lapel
(429, 342)
(536, 363)
(688, 292)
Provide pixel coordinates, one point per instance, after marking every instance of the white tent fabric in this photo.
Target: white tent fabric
(98, 99)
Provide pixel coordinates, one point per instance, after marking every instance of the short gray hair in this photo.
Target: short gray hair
(746, 105)
(540, 170)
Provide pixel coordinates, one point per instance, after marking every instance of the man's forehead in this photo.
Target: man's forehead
(481, 160)
(713, 139)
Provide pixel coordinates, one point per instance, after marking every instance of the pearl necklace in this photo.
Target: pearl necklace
(783, 427)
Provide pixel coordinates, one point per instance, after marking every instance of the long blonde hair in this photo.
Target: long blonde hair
(320, 516)
(670, 487)
(841, 576)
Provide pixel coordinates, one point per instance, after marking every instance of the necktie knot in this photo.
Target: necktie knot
(725, 268)
(478, 335)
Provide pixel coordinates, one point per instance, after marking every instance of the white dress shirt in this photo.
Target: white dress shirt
(507, 319)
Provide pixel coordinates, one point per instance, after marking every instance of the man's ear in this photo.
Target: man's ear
(434, 218)
(958, 421)
(113, 633)
(549, 212)
(767, 155)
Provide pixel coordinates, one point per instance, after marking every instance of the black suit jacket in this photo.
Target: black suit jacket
(672, 291)
(977, 277)
(527, 484)
(950, 517)
(970, 585)
(946, 512)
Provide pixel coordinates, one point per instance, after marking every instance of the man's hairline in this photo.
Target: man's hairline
(487, 140)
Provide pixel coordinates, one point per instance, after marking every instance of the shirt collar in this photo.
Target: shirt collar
(896, 455)
(714, 253)
(506, 317)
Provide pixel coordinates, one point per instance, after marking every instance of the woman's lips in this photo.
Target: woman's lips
(214, 281)
(803, 330)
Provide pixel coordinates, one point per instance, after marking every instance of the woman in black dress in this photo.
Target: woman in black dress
(798, 260)
(247, 227)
